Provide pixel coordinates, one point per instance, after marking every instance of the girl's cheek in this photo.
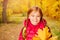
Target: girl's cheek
(38, 18)
(32, 18)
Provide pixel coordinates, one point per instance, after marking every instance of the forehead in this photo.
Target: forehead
(35, 13)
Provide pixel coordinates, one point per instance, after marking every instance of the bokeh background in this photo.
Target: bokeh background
(14, 12)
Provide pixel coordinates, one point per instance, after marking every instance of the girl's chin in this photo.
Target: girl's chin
(35, 24)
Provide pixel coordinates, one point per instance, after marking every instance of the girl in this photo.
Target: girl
(35, 27)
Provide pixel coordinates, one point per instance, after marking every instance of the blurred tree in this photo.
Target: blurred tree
(50, 8)
(4, 16)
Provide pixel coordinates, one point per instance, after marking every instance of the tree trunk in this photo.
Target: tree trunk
(4, 16)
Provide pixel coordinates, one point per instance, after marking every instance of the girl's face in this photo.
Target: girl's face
(34, 17)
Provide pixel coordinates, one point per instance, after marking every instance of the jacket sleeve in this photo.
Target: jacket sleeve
(21, 36)
(22, 31)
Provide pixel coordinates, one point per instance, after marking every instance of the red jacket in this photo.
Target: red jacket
(31, 29)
